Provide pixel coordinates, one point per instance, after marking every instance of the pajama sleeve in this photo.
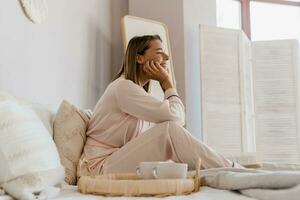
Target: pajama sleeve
(135, 101)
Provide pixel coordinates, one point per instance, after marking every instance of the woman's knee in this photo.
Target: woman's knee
(168, 128)
(170, 124)
(175, 129)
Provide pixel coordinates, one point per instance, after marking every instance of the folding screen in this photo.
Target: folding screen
(276, 81)
(250, 95)
(227, 106)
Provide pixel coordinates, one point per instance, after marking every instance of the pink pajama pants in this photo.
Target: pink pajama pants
(164, 141)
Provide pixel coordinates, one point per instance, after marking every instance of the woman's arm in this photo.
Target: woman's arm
(134, 100)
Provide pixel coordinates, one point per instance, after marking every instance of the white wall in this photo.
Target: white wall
(195, 12)
(68, 56)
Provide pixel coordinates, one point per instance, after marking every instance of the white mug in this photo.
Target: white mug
(159, 170)
(145, 170)
(170, 171)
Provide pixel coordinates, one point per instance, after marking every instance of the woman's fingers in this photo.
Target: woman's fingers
(161, 70)
(156, 65)
(152, 69)
(147, 69)
(152, 65)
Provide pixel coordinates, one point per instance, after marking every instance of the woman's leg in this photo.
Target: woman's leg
(164, 141)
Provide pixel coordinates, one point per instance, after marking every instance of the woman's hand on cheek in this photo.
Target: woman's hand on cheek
(153, 70)
(162, 70)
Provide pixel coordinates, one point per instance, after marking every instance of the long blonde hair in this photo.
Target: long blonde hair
(136, 46)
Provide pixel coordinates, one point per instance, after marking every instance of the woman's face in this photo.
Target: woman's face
(155, 53)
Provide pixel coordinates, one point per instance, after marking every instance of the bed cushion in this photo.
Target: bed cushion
(29, 158)
(45, 113)
(70, 125)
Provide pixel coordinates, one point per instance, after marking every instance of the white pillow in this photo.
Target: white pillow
(46, 113)
(29, 161)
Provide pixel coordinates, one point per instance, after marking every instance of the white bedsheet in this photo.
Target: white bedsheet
(206, 193)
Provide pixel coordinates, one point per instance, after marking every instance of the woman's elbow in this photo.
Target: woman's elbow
(178, 118)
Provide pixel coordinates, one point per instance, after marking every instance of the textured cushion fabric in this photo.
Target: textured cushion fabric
(27, 151)
(46, 113)
(5, 96)
(70, 126)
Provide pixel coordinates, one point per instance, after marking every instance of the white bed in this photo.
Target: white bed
(206, 193)
(47, 113)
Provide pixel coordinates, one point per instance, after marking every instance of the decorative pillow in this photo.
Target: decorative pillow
(70, 126)
(5, 96)
(29, 159)
(45, 113)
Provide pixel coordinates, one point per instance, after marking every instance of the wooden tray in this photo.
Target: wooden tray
(129, 184)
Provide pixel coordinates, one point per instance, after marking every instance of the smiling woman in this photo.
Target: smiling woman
(115, 140)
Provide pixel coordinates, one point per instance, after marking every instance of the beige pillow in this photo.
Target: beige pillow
(69, 128)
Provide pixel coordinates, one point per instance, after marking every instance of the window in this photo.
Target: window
(261, 19)
(270, 21)
(229, 14)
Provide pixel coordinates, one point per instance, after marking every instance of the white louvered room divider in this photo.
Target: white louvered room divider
(276, 91)
(250, 95)
(227, 106)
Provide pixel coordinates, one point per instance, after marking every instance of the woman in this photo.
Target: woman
(114, 140)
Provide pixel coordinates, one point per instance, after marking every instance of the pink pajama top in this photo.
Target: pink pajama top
(118, 117)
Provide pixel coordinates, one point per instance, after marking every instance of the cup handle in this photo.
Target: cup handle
(138, 171)
(154, 172)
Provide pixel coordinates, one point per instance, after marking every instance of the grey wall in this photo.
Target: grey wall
(68, 56)
(119, 9)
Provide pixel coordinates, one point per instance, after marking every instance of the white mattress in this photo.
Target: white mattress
(206, 193)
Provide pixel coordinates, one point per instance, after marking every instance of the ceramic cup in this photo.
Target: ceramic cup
(170, 171)
(145, 169)
(161, 170)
